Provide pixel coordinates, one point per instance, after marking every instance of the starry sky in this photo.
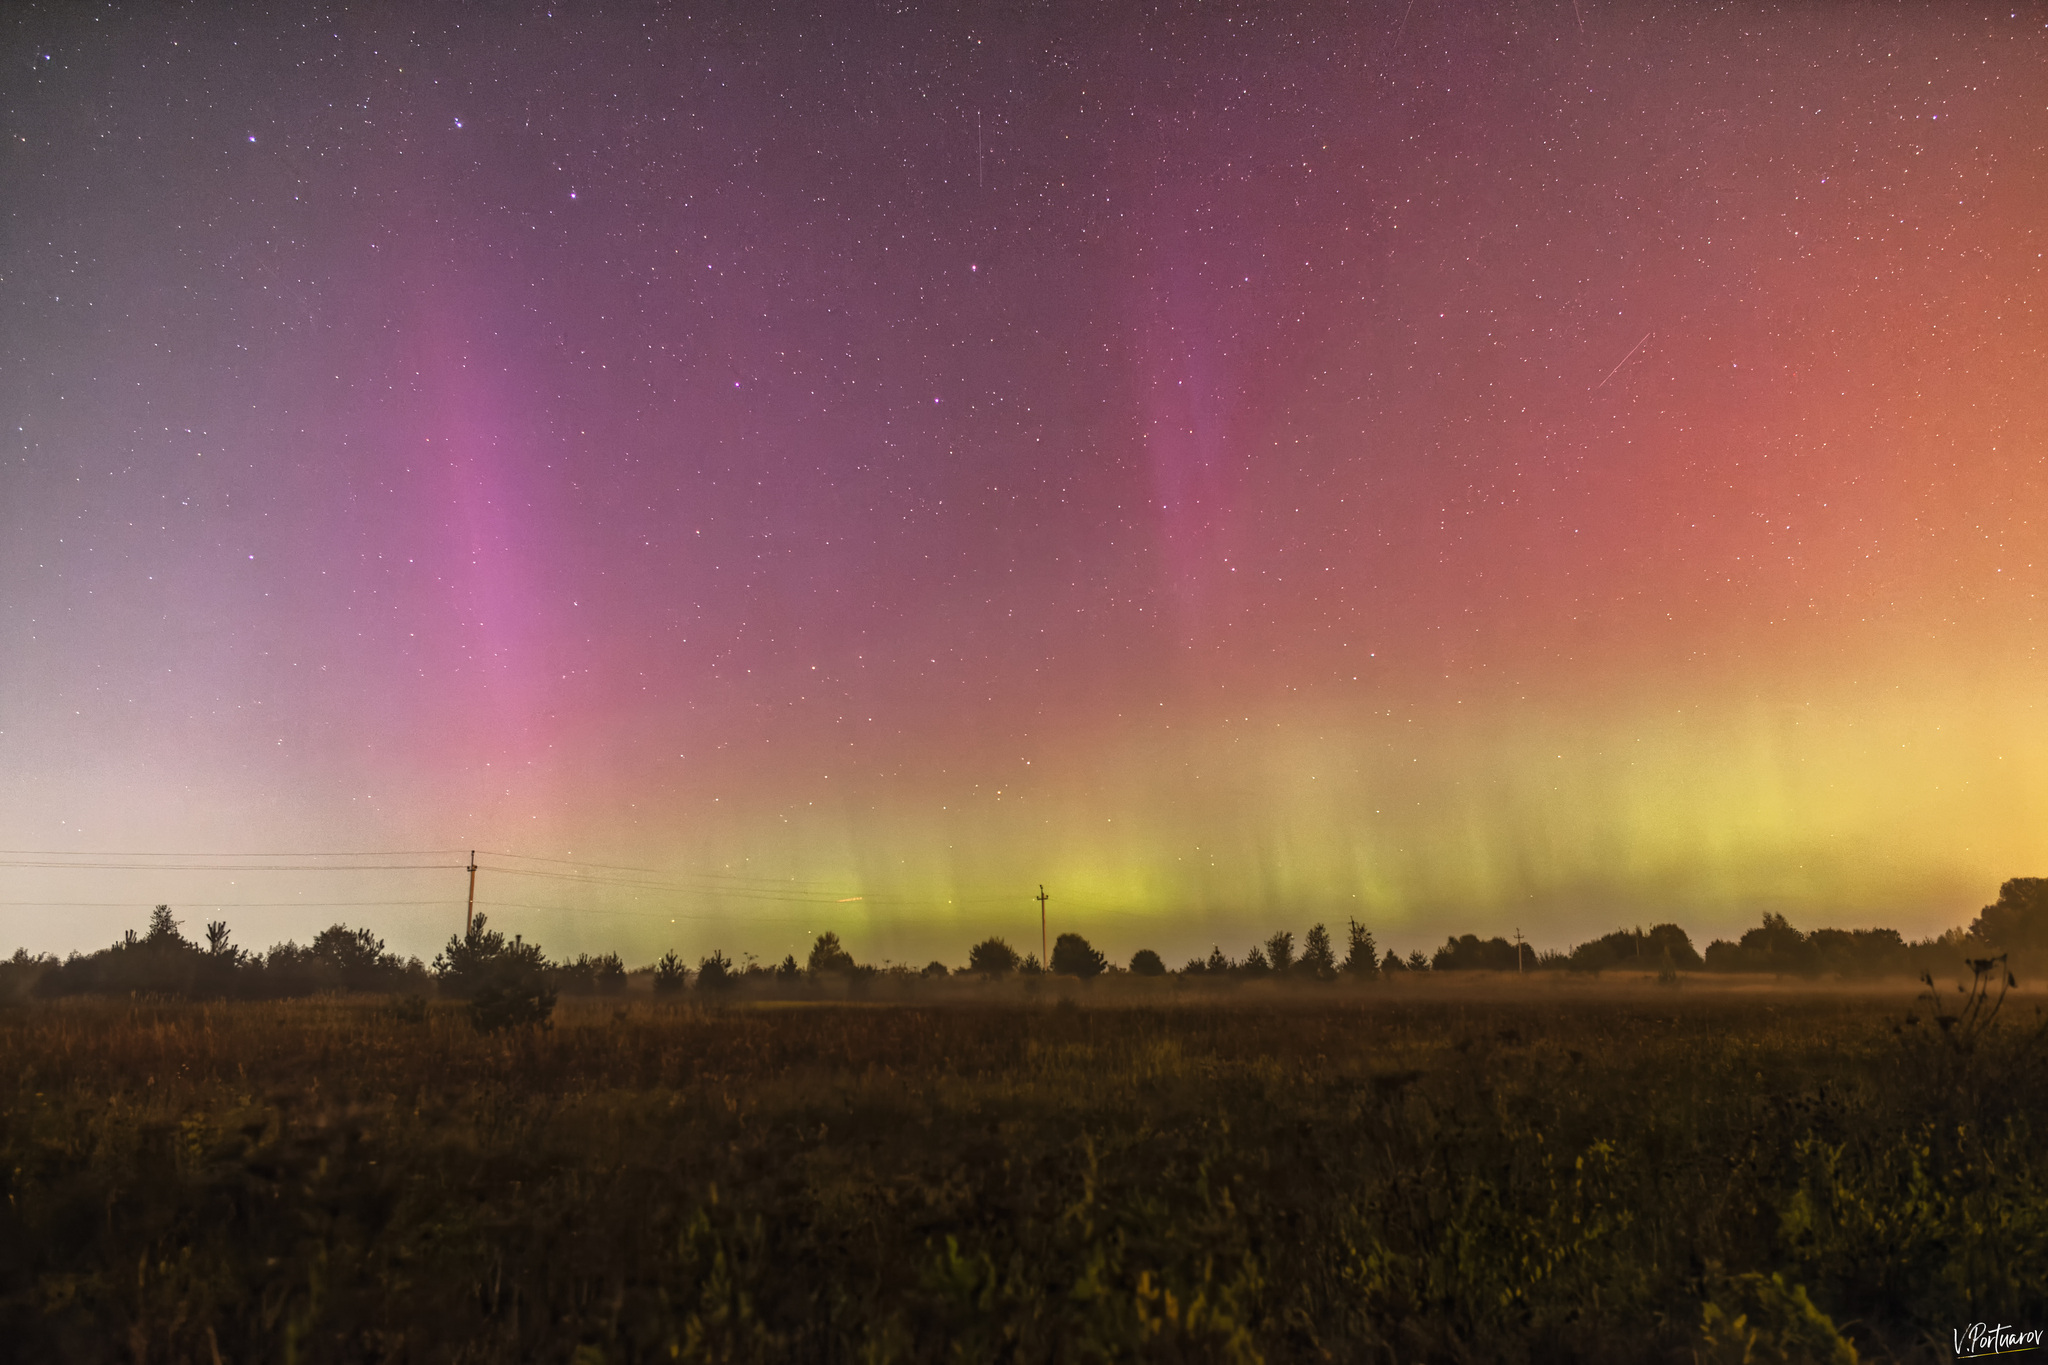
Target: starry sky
(1540, 466)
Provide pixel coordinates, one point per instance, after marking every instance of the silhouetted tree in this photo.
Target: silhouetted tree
(587, 975)
(715, 974)
(827, 955)
(1861, 952)
(466, 957)
(506, 983)
(1773, 946)
(1468, 953)
(1255, 963)
(345, 959)
(1674, 940)
(992, 957)
(1031, 966)
(1392, 963)
(1145, 962)
(2018, 918)
(22, 975)
(1280, 950)
(787, 970)
(512, 1000)
(1634, 950)
(1361, 954)
(163, 931)
(1318, 959)
(1073, 955)
(226, 970)
(1417, 962)
(670, 975)
(1219, 965)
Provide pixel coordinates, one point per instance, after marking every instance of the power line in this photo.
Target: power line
(232, 867)
(637, 914)
(288, 853)
(654, 871)
(725, 886)
(757, 892)
(730, 892)
(221, 905)
(720, 892)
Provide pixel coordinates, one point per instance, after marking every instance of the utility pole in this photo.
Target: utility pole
(1518, 952)
(1044, 953)
(469, 920)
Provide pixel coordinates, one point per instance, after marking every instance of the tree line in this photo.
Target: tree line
(510, 981)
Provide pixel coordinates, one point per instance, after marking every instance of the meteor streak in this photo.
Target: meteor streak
(1619, 363)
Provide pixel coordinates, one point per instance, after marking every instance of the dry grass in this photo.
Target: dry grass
(1531, 1170)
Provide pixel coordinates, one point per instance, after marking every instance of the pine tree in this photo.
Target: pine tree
(828, 955)
(1362, 958)
(670, 975)
(1317, 958)
(1280, 951)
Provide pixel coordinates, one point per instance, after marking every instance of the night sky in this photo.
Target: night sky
(1541, 466)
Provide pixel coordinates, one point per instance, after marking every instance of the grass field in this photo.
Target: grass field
(1406, 1171)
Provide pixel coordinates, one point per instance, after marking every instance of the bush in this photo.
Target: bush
(602, 975)
(1757, 1319)
(21, 974)
(670, 975)
(506, 982)
(338, 959)
(1145, 962)
(827, 955)
(715, 974)
(1073, 955)
(1468, 953)
(992, 957)
(516, 1001)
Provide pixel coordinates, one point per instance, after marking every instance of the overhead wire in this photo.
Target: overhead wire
(234, 867)
(743, 892)
(286, 853)
(234, 905)
(655, 871)
(632, 914)
(724, 886)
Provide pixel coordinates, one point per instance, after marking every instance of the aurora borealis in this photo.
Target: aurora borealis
(1548, 467)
